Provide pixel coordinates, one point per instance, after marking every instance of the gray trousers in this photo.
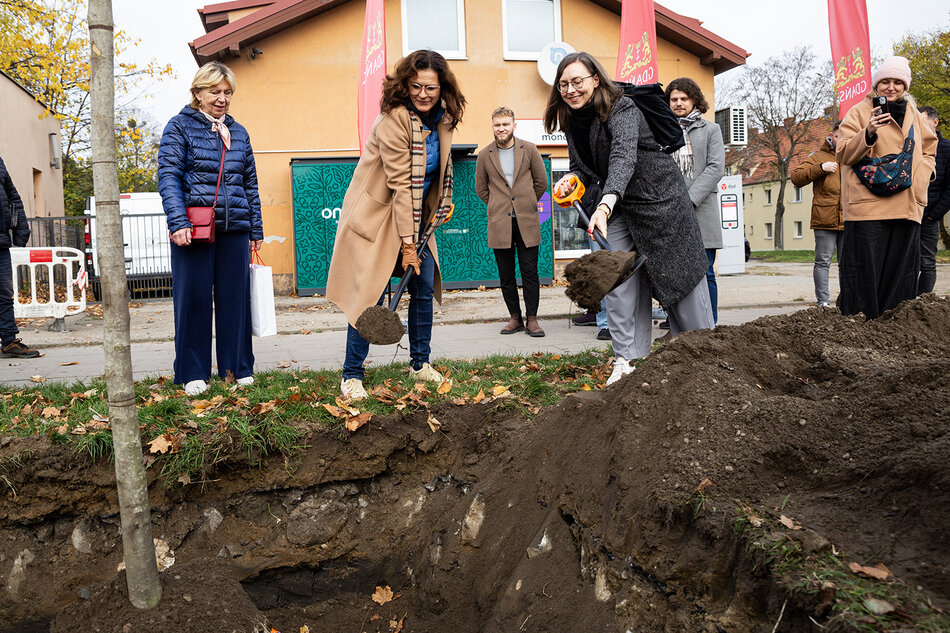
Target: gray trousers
(929, 239)
(826, 243)
(630, 306)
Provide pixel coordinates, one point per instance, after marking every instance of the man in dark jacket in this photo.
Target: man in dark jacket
(14, 231)
(938, 202)
(821, 170)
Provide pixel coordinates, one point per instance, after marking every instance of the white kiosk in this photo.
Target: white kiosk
(731, 258)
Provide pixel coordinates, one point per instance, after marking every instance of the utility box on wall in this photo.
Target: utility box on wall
(319, 185)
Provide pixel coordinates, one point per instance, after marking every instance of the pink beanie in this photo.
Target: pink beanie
(892, 68)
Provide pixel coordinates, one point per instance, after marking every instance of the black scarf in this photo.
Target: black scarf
(581, 121)
(897, 110)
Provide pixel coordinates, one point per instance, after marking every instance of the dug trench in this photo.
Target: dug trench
(641, 507)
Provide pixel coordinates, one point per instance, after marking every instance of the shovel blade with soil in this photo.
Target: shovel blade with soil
(594, 275)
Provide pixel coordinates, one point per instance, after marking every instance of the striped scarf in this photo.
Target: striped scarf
(684, 155)
(418, 177)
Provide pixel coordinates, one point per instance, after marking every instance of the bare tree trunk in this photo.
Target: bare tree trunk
(141, 570)
(779, 235)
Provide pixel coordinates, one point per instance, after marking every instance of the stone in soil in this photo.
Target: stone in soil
(592, 276)
(380, 326)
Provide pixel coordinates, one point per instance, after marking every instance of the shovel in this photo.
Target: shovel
(594, 275)
(380, 325)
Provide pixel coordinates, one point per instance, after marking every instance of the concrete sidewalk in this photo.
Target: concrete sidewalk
(312, 332)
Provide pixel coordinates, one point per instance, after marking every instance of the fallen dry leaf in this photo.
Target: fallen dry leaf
(79, 430)
(229, 378)
(382, 595)
(879, 571)
(395, 626)
(51, 412)
(784, 520)
(358, 420)
(336, 412)
(445, 387)
(160, 444)
(460, 401)
(283, 364)
(264, 407)
(304, 331)
(755, 520)
(75, 362)
(433, 422)
(37, 379)
(705, 483)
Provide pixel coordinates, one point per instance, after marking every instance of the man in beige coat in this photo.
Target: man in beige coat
(510, 178)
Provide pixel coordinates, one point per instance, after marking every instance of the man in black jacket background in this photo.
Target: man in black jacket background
(938, 202)
(14, 231)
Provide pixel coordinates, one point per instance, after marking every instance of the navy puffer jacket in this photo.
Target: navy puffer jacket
(10, 203)
(188, 160)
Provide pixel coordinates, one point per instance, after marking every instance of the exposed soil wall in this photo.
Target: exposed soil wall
(583, 516)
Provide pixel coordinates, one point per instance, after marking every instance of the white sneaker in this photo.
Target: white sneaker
(622, 367)
(427, 373)
(352, 388)
(824, 304)
(246, 381)
(194, 387)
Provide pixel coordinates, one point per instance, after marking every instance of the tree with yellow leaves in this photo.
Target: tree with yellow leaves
(44, 45)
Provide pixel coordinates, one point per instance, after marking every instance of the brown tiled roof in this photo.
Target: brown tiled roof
(277, 15)
(757, 165)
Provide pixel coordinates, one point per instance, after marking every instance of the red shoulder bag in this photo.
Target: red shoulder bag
(202, 218)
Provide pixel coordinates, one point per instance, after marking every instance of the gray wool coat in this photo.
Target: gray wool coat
(653, 199)
(709, 164)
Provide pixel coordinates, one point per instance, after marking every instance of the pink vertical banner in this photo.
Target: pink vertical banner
(372, 68)
(636, 59)
(850, 51)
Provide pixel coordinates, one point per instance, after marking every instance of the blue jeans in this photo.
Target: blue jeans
(713, 285)
(602, 315)
(420, 323)
(8, 328)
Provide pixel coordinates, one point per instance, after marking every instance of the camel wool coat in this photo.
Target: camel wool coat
(377, 213)
(857, 202)
(530, 183)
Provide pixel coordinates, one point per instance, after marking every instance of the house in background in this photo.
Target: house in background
(30, 148)
(296, 63)
(760, 189)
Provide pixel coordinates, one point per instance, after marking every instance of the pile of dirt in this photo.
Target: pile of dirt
(583, 516)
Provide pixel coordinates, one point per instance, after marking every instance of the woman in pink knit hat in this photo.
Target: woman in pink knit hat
(880, 254)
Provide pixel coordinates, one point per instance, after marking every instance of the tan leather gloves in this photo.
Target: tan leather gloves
(409, 257)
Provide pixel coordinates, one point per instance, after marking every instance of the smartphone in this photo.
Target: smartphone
(880, 102)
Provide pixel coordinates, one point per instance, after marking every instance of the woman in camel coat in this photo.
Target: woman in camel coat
(403, 178)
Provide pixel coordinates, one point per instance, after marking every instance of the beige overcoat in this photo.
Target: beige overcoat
(377, 214)
(857, 202)
(531, 181)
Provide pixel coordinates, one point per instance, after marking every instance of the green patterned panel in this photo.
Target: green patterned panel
(318, 189)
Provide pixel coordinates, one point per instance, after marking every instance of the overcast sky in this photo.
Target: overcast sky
(762, 28)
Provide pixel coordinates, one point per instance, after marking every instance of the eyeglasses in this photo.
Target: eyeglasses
(415, 89)
(577, 82)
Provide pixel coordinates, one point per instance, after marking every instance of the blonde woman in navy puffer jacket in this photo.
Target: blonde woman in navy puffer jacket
(188, 161)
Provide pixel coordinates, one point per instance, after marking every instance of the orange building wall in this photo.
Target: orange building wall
(298, 99)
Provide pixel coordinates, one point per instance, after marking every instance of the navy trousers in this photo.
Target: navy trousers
(8, 328)
(212, 278)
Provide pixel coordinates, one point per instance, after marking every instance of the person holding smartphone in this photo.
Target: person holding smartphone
(880, 251)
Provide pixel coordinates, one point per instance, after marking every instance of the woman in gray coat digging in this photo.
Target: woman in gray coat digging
(645, 206)
(703, 162)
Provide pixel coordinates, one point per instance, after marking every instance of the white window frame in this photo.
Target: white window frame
(798, 229)
(768, 230)
(768, 198)
(526, 55)
(798, 194)
(455, 54)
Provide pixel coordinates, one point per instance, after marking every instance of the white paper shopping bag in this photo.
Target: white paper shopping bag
(263, 315)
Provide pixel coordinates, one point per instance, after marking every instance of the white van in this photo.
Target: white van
(145, 237)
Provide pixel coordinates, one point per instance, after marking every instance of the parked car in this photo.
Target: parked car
(146, 245)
